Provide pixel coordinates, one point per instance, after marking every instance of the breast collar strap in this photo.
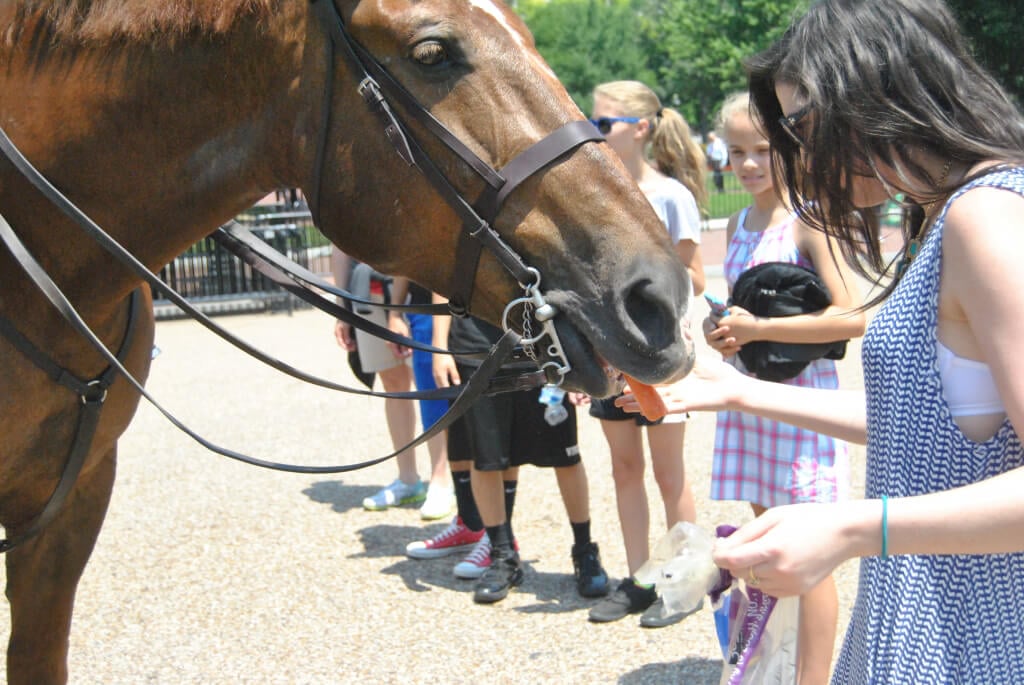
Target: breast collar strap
(92, 394)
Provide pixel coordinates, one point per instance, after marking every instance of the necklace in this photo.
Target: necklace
(914, 244)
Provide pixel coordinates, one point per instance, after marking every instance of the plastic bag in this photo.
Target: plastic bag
(681, 567)
(763, 633)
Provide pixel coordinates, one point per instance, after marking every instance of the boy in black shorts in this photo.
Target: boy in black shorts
(499, 434)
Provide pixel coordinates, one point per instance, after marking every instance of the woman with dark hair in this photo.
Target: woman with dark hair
(863, 101)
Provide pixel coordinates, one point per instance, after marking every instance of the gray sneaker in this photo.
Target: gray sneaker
(627, 599)
(657, 615)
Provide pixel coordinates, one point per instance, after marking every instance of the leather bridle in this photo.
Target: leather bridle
(378, 89)
(477, 234)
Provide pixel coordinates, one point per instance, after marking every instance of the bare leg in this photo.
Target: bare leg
(625, 442)
(401, 418)
(666, 442)
(572, 483)
(819, 613)
(42, 576)
(437, 447)
(489, 493)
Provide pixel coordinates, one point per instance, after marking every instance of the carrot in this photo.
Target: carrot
(651, 405)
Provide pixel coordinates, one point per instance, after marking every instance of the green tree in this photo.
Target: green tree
(588, 42)
(700, 46)
(991, 27)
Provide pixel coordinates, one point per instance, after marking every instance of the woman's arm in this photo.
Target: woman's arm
(981, 295)
(793, 548)
(715, 385)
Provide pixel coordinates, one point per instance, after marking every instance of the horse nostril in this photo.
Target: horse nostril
(655, 312)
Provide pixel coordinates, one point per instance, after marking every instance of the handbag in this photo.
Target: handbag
(775, 289)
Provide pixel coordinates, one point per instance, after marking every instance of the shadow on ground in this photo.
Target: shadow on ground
(555, 593)
(341, 497)
(685, 672)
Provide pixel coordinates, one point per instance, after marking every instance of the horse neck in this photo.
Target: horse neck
(158, 143)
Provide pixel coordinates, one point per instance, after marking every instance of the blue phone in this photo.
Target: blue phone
(718, 308)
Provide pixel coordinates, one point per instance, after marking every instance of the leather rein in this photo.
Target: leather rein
(477, 233)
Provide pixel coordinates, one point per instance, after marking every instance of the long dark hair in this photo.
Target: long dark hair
(885, 79)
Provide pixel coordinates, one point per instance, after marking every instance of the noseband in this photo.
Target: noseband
(378, 89)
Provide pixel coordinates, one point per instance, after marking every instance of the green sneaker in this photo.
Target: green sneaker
(396, 494)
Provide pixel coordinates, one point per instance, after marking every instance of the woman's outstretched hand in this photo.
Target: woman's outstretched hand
(711, 385)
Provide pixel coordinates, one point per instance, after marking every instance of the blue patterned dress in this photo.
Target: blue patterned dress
(930, 619)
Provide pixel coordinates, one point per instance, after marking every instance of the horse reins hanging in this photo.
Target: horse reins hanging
(477, 234)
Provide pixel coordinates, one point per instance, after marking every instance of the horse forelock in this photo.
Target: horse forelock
(98, 21)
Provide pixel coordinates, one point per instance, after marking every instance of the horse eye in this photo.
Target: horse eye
(429, 53)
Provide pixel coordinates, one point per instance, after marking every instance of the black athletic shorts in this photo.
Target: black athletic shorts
(606, 410)
(509, 430)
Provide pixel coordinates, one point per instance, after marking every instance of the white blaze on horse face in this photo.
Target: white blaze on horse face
(495, 13)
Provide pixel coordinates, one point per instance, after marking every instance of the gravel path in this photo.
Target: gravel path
(209, 571)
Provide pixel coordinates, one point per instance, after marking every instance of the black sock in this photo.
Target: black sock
(501, 539)
(510, 497)
(580, 533)
(464, 501)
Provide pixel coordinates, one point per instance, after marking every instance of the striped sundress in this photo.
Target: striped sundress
(768, 462)
(953, 619)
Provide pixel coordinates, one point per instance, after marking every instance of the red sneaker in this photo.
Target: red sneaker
(478, 561)
(455, 538)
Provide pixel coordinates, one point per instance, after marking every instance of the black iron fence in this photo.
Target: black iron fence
(217, 282)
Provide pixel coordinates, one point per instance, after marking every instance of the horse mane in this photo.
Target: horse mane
(105, 21)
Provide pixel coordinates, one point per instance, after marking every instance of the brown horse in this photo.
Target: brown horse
(163, 119)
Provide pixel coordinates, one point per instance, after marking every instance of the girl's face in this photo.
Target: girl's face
(625, 138)
(749, 154)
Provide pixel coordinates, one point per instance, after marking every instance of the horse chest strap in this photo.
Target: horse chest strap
(92, 394)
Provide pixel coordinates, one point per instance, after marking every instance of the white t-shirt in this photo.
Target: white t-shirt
(676, 207)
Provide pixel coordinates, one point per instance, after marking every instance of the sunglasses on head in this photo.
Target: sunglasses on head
(790, 123)
(604, 124)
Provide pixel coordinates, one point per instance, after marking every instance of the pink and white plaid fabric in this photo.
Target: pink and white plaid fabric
(768, 462)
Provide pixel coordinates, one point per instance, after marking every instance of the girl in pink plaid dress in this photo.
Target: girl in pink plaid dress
(764, 462)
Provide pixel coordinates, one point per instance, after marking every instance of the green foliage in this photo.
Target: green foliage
(588, 42)
(690, 51)
(991, 27)
(702, 45)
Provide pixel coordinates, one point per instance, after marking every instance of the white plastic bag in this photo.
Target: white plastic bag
(681, 567)
(762, 639)
(763, 634)
(762, 630)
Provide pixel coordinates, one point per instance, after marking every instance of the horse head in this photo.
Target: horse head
(603, 255)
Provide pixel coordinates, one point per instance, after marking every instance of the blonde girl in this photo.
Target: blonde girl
(764, 462)
(655, 145)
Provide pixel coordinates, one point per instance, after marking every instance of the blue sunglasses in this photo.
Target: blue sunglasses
(604, 124)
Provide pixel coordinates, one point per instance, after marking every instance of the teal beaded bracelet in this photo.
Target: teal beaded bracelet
(885, 527)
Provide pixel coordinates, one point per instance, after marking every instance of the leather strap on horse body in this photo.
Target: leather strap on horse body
(471, 391)
(92, 394)
(293, 277)
(137, 267)
(477, 232)
(285, 273)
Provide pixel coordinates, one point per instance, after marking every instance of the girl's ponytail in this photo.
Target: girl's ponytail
(676, 154)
